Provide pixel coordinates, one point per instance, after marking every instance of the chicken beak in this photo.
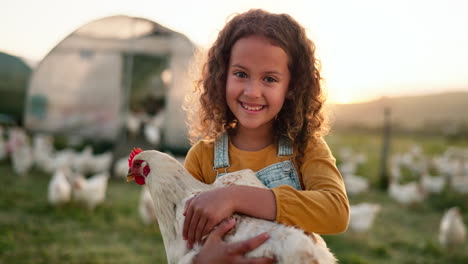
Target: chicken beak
(130, 175)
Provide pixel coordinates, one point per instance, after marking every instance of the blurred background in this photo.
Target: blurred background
(81, 83)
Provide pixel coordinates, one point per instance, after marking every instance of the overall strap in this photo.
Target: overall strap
(221, 155)
(285, 147)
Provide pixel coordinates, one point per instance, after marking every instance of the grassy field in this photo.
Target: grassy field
(31, 231)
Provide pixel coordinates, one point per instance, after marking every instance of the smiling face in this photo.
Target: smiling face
(257, 82)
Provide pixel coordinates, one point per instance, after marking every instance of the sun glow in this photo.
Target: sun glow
(343, 99)
(364, 51)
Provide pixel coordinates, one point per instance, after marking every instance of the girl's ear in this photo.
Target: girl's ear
(290, 94)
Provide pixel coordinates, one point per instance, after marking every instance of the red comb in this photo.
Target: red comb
(134, 152)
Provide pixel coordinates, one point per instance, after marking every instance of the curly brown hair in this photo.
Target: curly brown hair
(301, 119)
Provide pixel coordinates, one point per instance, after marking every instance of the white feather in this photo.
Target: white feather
(146, 207)
(362, 216)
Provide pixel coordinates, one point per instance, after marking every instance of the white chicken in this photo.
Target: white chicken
(153, 126)
(362, 216)
(348, 167)
(101, 162)
(43, 151)
(82, 161)
(433, 184)
(22, 160)
(146, 207)
(395, 171)
(407, 194)
(121, 168)
(355, 184)
(90, 192)
(3, 147)
(134, 121)
(61, 158)
(21, 151)
(452, 230)
(59, 191)
(171, 186)
(459, 184)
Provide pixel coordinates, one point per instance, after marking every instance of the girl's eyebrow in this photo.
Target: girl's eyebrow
(239, 66)
(268, 72)
(273, 72)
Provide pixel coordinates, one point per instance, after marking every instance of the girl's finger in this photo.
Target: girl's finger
(187, 204)
(248, 245)
(193, 226)
(258, 261)
(208, 227)
(199, 231)
(187, 220)
(221, 230)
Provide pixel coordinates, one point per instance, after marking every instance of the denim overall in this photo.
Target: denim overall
(272, 176)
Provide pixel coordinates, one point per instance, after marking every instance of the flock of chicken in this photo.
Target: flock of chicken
(79, 176)
(431, 174)
(83, 177)
(150, 126)
(452, 167)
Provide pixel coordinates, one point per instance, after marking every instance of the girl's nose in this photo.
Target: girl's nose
(253, 89)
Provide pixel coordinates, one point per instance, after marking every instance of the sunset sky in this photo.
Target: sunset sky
(368, 48)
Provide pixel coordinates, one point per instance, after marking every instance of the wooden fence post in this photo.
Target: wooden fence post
(384, 177)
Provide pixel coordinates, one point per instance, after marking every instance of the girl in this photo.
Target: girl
(261, 108)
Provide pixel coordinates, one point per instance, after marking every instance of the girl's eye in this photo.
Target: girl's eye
(270, 79)
(240, 74)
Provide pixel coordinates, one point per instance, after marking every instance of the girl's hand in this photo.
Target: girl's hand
(215, 250)
(204, 211)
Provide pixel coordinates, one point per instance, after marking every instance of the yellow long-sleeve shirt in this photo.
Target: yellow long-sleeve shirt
(321, 207)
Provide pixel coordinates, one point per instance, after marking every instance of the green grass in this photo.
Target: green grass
(400, 234)
(31, 231)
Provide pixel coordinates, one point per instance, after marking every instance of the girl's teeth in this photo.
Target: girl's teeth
(252, 108)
